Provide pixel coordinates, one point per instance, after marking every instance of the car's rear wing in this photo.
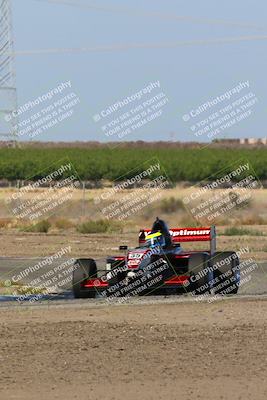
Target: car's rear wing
(178, 235)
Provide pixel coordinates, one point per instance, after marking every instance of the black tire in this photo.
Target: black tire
(226, 272)
(84, 268)
(200, 277)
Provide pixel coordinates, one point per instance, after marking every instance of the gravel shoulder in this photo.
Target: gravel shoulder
(183, 350)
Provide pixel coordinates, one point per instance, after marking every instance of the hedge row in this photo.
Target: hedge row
(106, 163)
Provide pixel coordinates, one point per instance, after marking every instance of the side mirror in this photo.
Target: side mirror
(123, 248)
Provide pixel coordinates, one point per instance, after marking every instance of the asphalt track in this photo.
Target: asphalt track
(254, 283)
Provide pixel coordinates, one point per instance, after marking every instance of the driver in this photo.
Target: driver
(160, 226)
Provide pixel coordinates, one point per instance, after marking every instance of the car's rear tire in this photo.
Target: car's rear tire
(226, 272)
(200, 275)
(84, 268)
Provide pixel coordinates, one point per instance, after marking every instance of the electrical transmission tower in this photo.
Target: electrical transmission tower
(8, 91)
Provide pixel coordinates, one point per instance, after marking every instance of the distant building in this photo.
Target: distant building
(243, 141)
(254, 141)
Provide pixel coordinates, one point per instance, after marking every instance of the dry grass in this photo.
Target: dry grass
(99, 226)
(61, 223)
(235, 231)
(6, 223)
(16, 289)
(40, 227)
(169, 207)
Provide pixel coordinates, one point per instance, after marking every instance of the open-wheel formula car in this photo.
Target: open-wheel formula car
(160, 265)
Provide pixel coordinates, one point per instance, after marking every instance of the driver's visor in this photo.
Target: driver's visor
(153, 238)
(153, 235)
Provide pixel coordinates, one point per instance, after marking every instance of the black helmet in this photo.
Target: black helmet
(160, 226)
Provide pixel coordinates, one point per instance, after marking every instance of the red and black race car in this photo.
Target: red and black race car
(160, 265)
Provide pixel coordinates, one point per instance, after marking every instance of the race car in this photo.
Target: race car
(159, 265)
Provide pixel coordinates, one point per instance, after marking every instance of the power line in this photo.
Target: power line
(154, 14)
(132, 46)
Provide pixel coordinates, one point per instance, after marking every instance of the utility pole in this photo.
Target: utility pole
(8, 90)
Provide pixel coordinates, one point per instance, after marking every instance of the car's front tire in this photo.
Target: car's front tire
(83, 269)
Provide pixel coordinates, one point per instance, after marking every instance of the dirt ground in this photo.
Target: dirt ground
(87, 350)
(161, 351)
(21, 244)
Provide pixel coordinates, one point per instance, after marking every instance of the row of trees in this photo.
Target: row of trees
(105, 163)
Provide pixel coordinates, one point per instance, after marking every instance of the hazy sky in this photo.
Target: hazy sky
(192, 52)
